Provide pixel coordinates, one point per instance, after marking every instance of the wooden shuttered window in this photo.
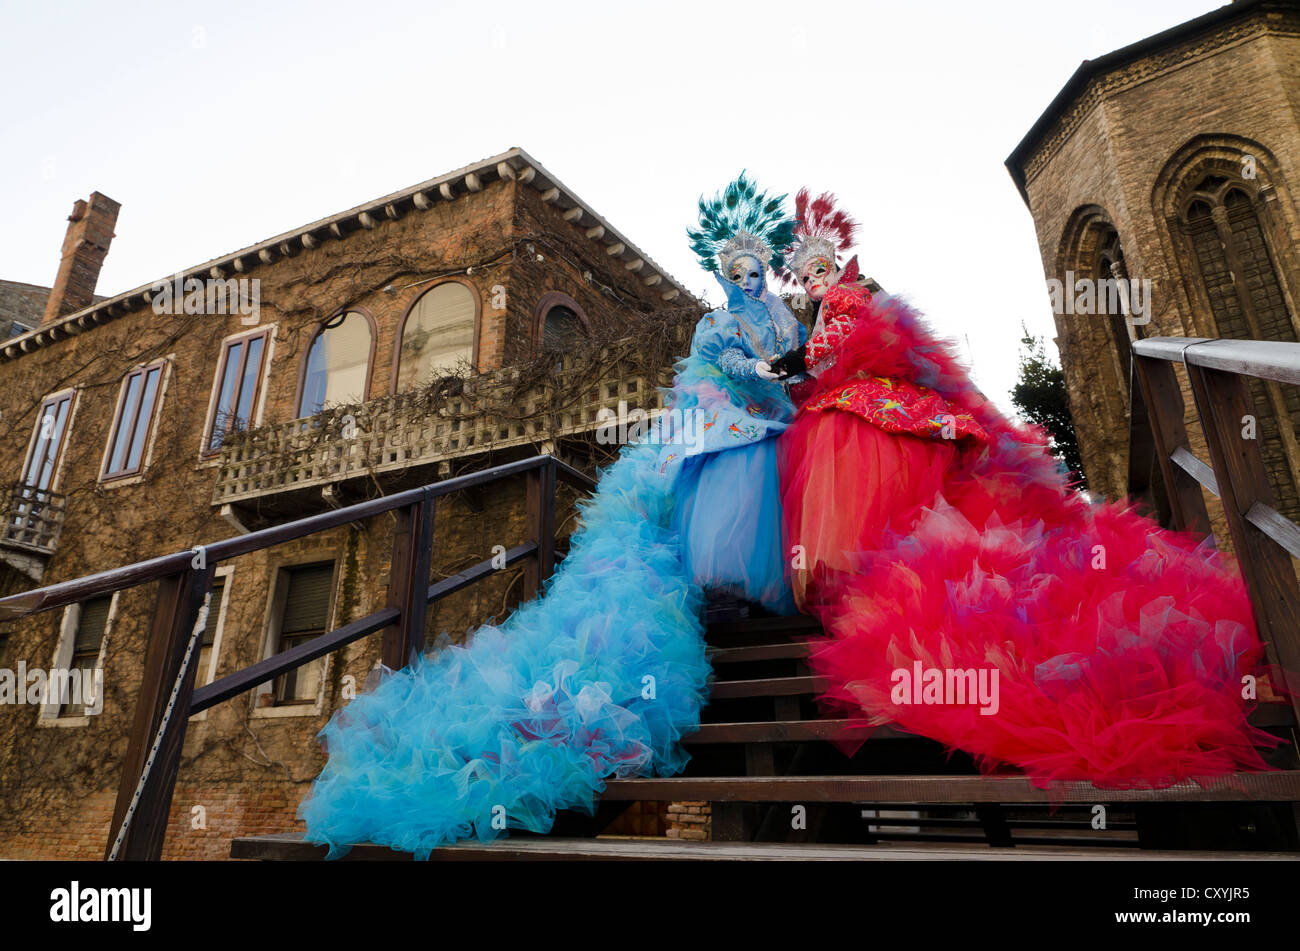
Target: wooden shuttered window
(88, 640)
(305, 616)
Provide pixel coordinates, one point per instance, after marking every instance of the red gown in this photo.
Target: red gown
(971, 596)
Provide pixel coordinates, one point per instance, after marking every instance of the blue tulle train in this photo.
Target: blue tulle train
(600, 678)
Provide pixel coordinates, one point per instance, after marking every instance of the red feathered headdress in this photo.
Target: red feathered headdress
(820, 230)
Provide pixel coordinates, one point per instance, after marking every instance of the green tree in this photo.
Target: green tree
(1040, 397)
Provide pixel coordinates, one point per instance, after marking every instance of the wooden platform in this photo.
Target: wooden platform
(1280, 786)
(291, 848)
(764, 746)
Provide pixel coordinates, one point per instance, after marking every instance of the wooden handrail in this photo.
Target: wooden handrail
(151, 569)
(267, 670)
(1264, 539)
(167, 695)
(1277, 360)
(270, 668)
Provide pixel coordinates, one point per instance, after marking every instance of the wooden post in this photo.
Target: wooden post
(1145, 480)
(1222, 401)
(1164, 406)
(177, 607)
(541, 519)
(408, 582)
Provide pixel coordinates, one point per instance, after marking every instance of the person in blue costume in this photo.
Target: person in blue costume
(728, 513)
(602, 675)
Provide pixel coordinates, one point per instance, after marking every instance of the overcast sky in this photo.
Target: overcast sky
(219, 125)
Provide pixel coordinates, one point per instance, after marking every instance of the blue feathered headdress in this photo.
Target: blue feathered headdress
(741, 207)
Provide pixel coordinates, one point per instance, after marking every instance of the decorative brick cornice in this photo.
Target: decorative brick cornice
(515, 165)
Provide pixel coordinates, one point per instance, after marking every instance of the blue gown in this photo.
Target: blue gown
(728, 503)
(603, 675)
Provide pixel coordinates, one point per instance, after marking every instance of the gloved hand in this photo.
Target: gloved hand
(764, 371)
(791, 363)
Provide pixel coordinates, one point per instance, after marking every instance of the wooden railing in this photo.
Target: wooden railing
(1265, 541)
(167, 697)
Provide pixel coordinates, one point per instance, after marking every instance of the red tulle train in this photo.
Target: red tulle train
(1123, 652)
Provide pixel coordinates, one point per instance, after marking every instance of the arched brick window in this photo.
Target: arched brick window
(1237, 276)
(438, 334)
(337, 367)
(559, 322)
(1096, 352)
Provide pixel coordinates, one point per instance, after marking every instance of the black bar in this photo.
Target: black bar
(79, 589)
(546, 526)
(176, 610)
(453, 584)
(273, 667)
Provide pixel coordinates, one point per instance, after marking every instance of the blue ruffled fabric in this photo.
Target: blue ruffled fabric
(731, 538)
(602, 677)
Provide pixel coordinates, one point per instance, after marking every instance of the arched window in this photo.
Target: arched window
(1095, 347)
(1110, 266)
(561, 328)
(338, 364)
(1233, 258)
(559, 323)
(438, 334)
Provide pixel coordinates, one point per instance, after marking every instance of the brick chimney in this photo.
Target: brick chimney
(90, 231)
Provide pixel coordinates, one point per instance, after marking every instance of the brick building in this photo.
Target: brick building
(432, 331)
(1175, 161)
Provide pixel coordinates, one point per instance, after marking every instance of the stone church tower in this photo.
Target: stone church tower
(1175, 160)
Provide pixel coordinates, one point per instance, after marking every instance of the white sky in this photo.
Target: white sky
(219, 125)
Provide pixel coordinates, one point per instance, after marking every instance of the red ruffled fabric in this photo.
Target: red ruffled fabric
(1119, 648)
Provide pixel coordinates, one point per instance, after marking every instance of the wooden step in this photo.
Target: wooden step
(291, 848)
(1280, 786)
(739, 655)
(768, 687)
(800, 625)
(786, 731)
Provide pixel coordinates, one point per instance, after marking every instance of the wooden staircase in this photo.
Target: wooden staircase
(779, 788)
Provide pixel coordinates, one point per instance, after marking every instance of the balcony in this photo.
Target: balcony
(281, 466)
(31, 529)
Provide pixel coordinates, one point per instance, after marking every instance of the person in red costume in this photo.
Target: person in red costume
(968, 592)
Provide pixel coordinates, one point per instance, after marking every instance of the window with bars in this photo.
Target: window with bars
(133, 421)
(239, 382)
(307, 590)
(88, 641)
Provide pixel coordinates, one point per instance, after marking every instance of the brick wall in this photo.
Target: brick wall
(246, 768)
(1125, 140)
